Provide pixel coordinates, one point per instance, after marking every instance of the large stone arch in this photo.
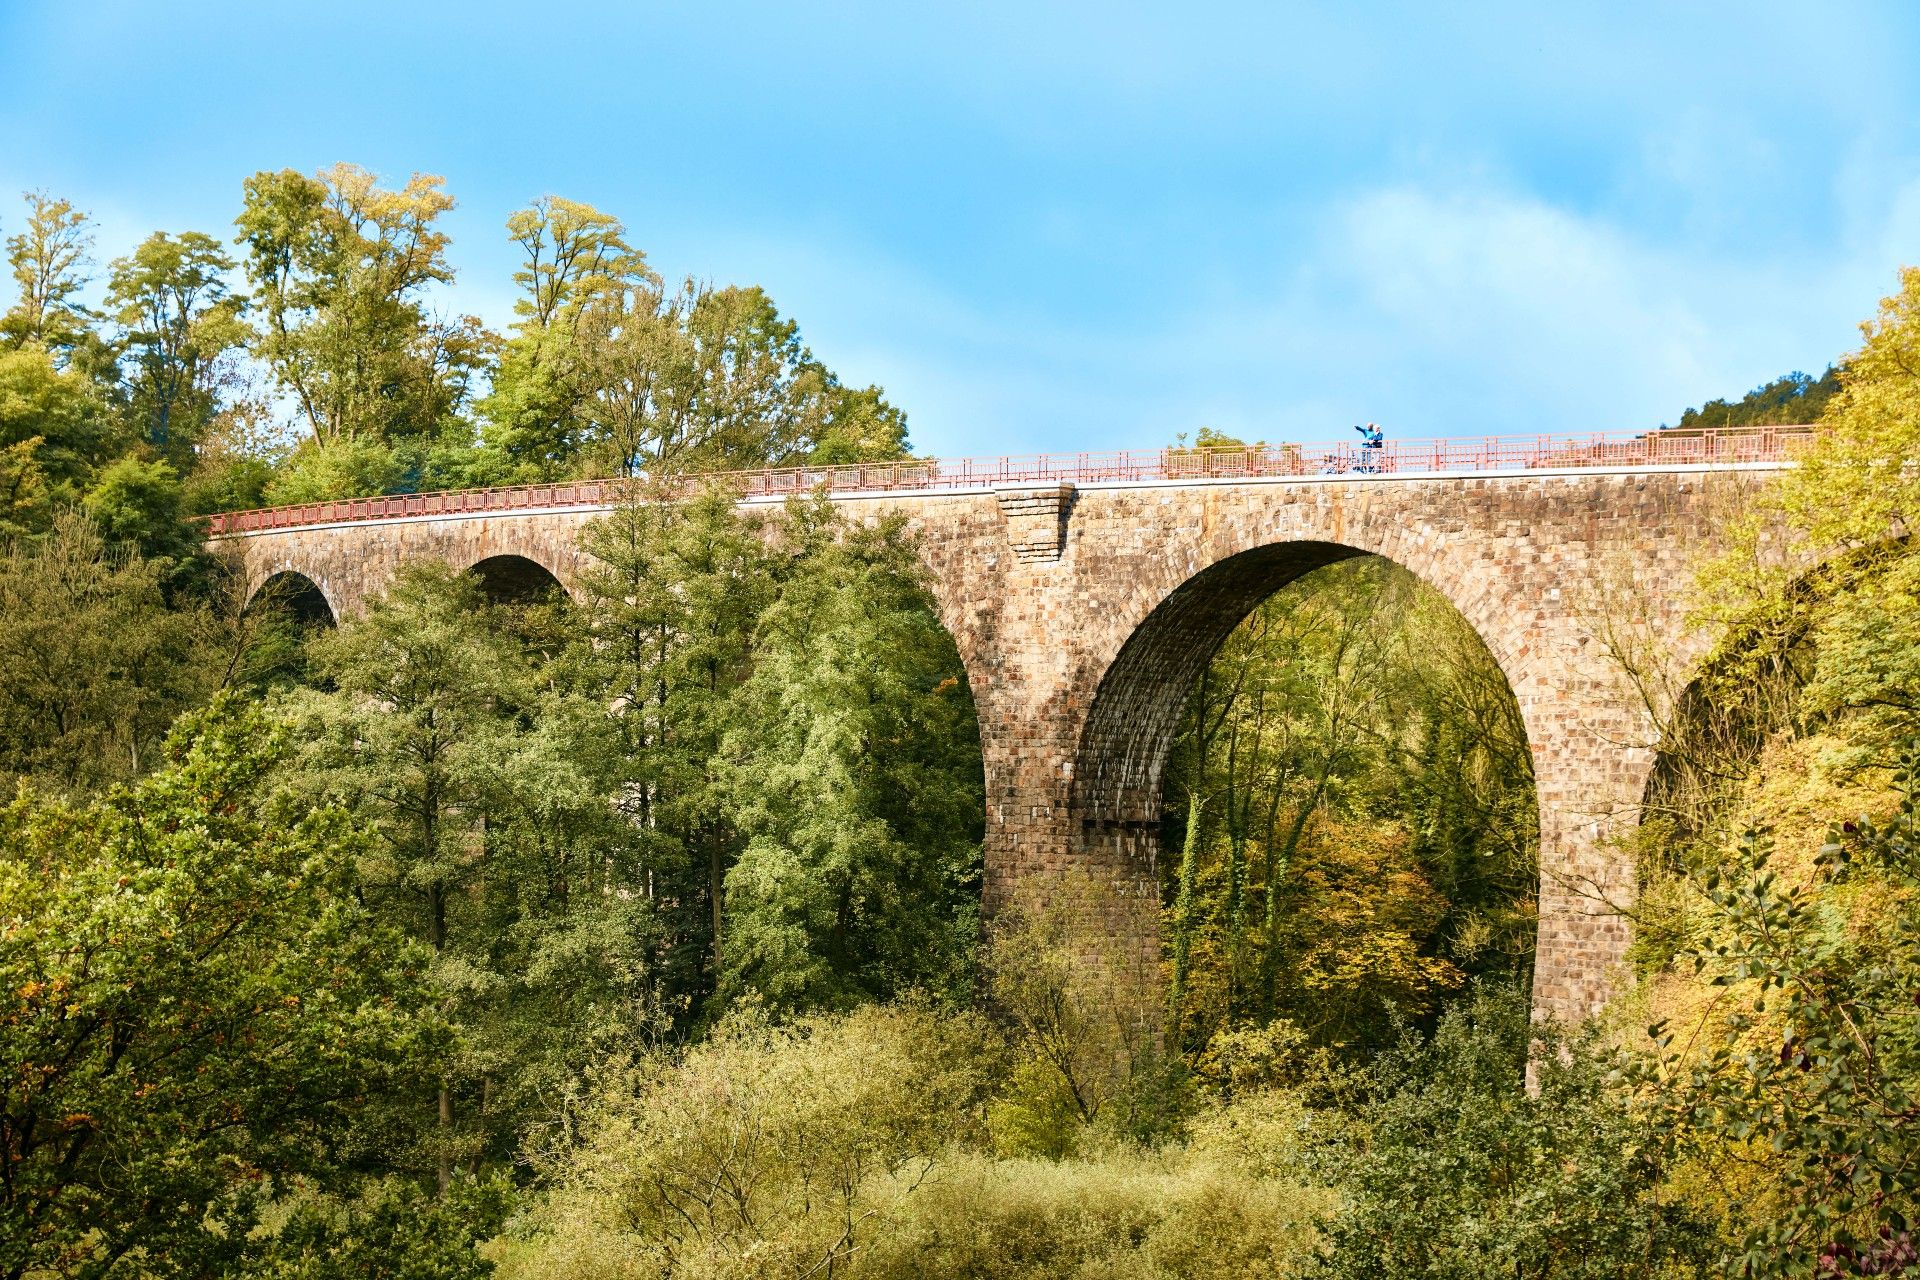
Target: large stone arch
(1116, 796)
(1073, 775)
(1135, 711)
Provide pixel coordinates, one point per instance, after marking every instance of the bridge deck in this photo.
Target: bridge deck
(1735, 447)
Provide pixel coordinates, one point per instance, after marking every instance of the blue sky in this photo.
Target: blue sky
(1072, 227)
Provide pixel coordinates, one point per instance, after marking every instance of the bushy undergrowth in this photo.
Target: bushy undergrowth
(859, 1145)
(1452, 1170)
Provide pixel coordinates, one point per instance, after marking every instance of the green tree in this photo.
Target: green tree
(49, 259)
(391, 1232)
(410, 738)
(139, 504)
(671, 604)
(708, 377)
(495, 842)
(611, 373)
(25, 505)
(1795, 399)
(854, 777)
(94, 663)
(196, 1003)
(70, 425)
(181, 321)
(796, 749)
(578, 266)
(341, 269)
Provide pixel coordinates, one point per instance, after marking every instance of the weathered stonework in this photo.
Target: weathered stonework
(1037, 521)
(1084, 616)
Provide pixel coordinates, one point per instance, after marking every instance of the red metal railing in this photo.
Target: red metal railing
(1396, 457)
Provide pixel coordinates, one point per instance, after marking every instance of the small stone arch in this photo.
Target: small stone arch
(303, 598)
(517, 580)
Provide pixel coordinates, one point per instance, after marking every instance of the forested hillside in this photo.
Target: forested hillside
(1797, 398)
(638, 933)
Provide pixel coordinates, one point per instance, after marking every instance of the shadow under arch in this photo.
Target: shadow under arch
(1748, 687)
(302, 599)
(1121, 759)
(518, 580)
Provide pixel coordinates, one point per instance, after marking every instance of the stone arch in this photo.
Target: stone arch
(511, 578)
(304, 599)
(1166, 616)
(1135, 707)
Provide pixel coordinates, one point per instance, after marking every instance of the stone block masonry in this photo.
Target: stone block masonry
(1084, 615)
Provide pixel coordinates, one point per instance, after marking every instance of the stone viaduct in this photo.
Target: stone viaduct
(1086, 596)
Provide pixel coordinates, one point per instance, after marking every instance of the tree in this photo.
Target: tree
(1855, 487)
(610, 373)
(494, 841)
(1795, 399)
(1809, 1065)
(94, 663)
(712, 378)
(796, 749)
(138, 503)
(61, 412)
(341, 269)
(671, 604)
(410, 739)
(392, 1232)
(49, 258)
(577, 261)
(25, 507)
(171, 298)
(854, 776)
(196, 1004)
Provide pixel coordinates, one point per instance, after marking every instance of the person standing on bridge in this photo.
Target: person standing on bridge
(1372, 441)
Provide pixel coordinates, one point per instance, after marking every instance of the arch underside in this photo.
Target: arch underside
(298, 596)
(517, 579)
(1123, 750)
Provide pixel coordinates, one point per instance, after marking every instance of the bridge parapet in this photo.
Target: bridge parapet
(1753, 446)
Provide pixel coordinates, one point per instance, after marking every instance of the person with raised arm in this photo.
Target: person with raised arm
(1372, 441)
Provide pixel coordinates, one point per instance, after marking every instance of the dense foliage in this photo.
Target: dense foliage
(1796, 399)
(197, 1007)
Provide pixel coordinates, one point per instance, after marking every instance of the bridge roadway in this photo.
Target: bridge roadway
(1087, 592)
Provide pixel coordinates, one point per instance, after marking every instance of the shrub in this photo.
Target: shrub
(1455, 1171)
(767, 1149)
(394, 1231)
(1084, 1012)
(1177, 1213)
